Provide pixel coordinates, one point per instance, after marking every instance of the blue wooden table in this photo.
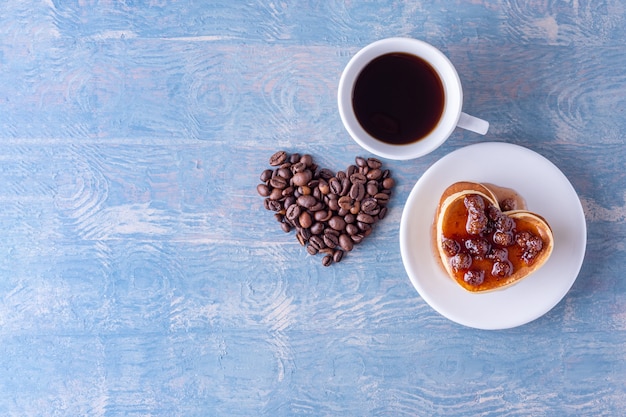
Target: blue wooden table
(140, 274)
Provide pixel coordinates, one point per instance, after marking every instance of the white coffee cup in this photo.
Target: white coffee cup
(451, 115)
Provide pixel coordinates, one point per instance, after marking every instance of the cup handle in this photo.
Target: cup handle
(472, 123)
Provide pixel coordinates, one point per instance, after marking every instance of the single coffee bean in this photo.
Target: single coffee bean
(317, 242)
(372, 188)
(375, 212)
(382, 198)
(293, 212)
(266, 175)
(374, 163)
(263, 190)
(352, 229)
(276, 194)
(357, 191)
(278, 158)
(357, 238)
(311, 250)
(317, 228)
(307, 160)
(289, 201)
(323, 215)
(369, 205)
(284, 173)
(286, 227)
(345, 242)
(317, 194)
(331, 240)
(363, 226)
(324, 187)
(302, 178)
(305, 219)
(345, 186)
(329, 215)
(305, 233)
(278, 182)
(365, 218)
(327, 260)
(389, 183)
(358, 178)
(288, 191)
(374, 174)
(345, 202)
(333, 204)
(337, 256)
(337, 223)
(334, 185)
(275, 205)
(306, 201)
(360, 161)
(327, 251)
(383, 213)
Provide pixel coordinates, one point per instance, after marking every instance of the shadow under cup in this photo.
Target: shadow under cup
(400, 98)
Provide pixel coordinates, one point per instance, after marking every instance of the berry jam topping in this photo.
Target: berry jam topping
(474, 277)
(489, 244)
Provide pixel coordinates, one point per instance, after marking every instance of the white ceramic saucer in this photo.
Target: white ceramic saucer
(547, 192)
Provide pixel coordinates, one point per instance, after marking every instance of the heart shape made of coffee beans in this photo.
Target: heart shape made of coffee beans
(331, 212)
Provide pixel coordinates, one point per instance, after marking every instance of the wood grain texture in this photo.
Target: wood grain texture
(140, 274)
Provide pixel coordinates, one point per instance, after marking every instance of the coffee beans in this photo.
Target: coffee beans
(278, 158)
(330, 212)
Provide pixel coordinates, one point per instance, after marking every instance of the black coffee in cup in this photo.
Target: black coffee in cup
(398, 98)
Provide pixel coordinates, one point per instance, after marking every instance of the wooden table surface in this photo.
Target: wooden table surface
(140, 274)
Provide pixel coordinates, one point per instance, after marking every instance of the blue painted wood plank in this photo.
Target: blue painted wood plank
(141, 275)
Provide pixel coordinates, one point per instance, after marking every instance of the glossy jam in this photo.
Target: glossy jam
(455, 229)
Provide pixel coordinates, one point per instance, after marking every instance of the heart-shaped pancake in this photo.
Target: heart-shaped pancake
(484, 248)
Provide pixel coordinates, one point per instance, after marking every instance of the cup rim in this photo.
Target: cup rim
(452, 91)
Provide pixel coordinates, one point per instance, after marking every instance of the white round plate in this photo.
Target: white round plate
(547, 192)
